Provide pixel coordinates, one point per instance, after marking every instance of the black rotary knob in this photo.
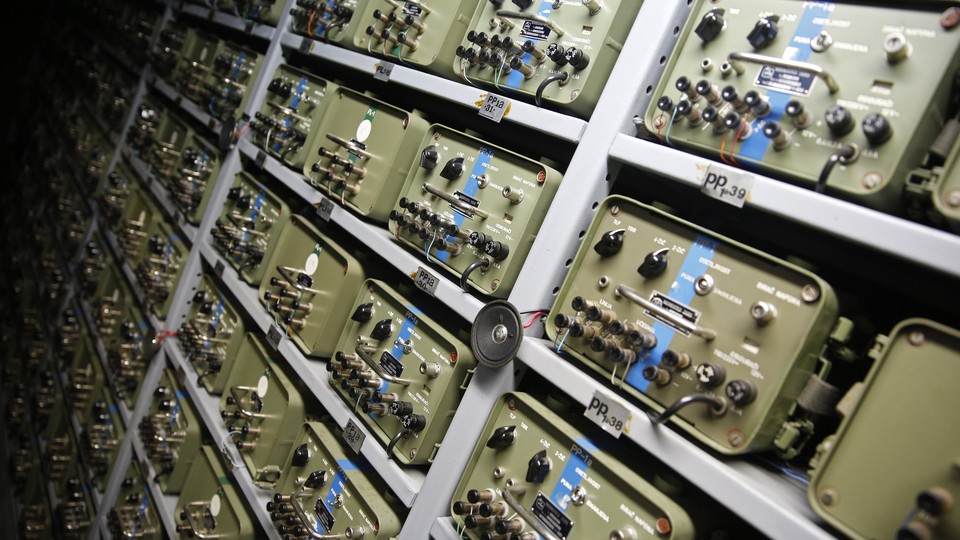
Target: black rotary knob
(711, 374)
(839, 120)
(654, 263)
(876, 128)
(429, 158)
(741, 392)
(363, 313)
(502, 437)
(710, 25)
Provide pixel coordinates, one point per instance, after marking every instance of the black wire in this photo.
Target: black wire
(393, 442)
(716, 404)
(846, 152)
(479, 263)
(559, 76)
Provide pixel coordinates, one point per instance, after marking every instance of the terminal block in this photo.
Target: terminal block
(329, 20)
(114, 190)
(210, 506)
(70, 493)
(195, 64)
(130, 352)
(101, 433)
(224, 90)
(533, 473)
(473, 208)
(211, 334)
(134, 514)
(842, 98)
(401, 371)
(168, 146)
(325, 493)
(262, 410)
(171, 433)
(160, 268)
(360, 151)
(559, 53)
(197, 169)
(72, 218)
(421, 33)
(295, 103)
(915, 496)
(309, 286)
(713, 335)
(249, 226)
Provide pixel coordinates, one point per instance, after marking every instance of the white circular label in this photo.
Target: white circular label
(313, 261)
(364, 130)
(262, 386)
(215, 505)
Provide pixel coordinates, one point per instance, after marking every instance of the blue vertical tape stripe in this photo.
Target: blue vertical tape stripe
(336, 487)
(479, 169)
(515, 78)
(756, 145)
(406, 330)
(694, 264)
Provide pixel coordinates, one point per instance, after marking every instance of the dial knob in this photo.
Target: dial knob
(839, 120)
(654, 263)
(876, 128)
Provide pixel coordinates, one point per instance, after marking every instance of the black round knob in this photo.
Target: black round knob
(653, 264)
(576, 58)
(556, 53)
(710, 113)
(876, 128)
(741, 392)
(429, 158)
(710, 25)
(772, 129)
(710, 374)
(665, 104)
(839, 120)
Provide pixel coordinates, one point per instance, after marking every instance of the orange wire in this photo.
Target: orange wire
(743, 126)
(310, 23)
(723, 146)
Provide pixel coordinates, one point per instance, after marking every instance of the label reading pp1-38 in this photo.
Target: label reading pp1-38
(609, 414)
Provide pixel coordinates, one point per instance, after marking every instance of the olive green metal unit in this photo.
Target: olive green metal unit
(325, 493)
(146, 121)
(210, 505)
(262, 11)
(169, 46)
(402, 371)
(934, 191)
(85, 375)
(211, 334)
(332, 21)
(134, 515)
(310, 285)
(161, 266)
(262, 410)
(553, 52)
(249, 226)
(74, 512)
(195, 63)
(91, 265)
(101, 433)
(473, 208)
(136, 223)
(33, 520)
(167, 147)
(844, 97)
(198, 166)
(112, 195)
(295, 103)
(532, 473)
(130, 353)
(890, 471)
(224, 91)
(171, 433)
(718, 336)
(421, 33)
(110, 302)
(360, 153)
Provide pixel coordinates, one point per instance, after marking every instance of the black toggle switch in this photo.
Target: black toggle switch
(200, 296)
(502, 437)
(839, 120)
(710, 25)
(764, 32)
(453, 169)
(233, 194)
(741, 392)
(538, 467)
(244, 203)
(363, 313)
(653, 264)
(876, 128)
(429, 158)
(316, 479)
(382, 330)
(610, 243)
(300, 456)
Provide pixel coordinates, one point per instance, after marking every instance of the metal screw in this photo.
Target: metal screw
(735, 438)
(829, 496)
(512, 404)
(810, 293)
(494, 284)
(574, 94)
(413, 453)
(916, 338)
(871, 180)
(436, 136)
(615, 210)
(953, 198)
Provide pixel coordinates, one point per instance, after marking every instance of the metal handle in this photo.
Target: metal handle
(298, 509)
(379, 370)
(736, 58)
(455, 201)
(508, 14)
(235, 394)
(688, 326)
(350, 146)
(287, 274)
(532, 520)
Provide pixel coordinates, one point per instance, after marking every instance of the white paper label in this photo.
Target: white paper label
(274, 336)
(728, 185)
(609, 414)
(215, 505)
(494, 107)
(262, 386)
(353, 436)
(325, 210)
(425, 281)
(383, 70)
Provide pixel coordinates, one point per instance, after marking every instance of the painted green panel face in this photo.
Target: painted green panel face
(225, 90)
(196, 62)
(31, 491)
(889, 69)
(86, 375)
(171, 434)
(166, 152)
(331, 21)
(309, 287)
(171, 42)
(91, 265)
(136, 222)
(326, 490)
(151, 115)
(484, 202)
(130, 353)
(262, 410)
(401, 371)
(102, 434)
(112, 196)
(210, 504)
(74, 512)
(295, 103)
(533, 469)
(891, 452)
(110, 302)
(360, 151)
(721, 319)
(211, 335)
(510, 48)
(249, 227)
(430, 31)
(946, 196)
(134, 514)
(197, 168)
(161, 266)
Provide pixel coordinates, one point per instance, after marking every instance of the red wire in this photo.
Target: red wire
(534, 318)
(743, 126)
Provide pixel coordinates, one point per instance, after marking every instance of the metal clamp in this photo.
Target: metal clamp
(379, 370)
(455, 201)
(693, 328)
(532, 520)
(736, 60)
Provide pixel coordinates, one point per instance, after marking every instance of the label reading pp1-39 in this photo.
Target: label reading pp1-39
(728, 185)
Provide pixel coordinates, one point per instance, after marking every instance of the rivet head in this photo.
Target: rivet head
(916, 338)
(810, 293)
(829, 496)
